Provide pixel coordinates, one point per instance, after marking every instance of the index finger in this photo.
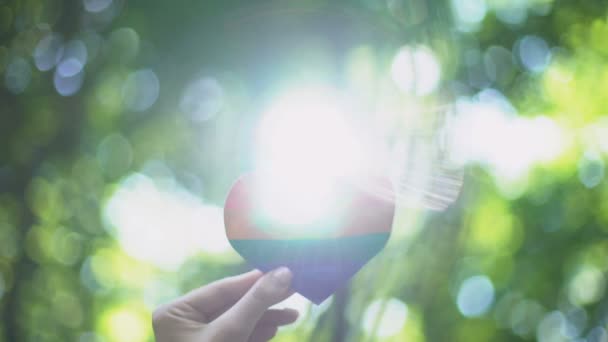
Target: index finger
(213, 299)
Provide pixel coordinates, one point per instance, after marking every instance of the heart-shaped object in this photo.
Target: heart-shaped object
(320, 264)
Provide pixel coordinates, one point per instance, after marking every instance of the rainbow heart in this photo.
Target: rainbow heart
(321, 265)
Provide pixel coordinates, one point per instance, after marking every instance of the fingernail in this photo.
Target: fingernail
(283, 276)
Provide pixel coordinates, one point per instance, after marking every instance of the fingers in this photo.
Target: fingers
(212, 300)
(239, 322)
(268, 325)
(279, 317)
(186, 315)
(263, 333)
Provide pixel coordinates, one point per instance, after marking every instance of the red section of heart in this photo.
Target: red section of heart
(238, 212)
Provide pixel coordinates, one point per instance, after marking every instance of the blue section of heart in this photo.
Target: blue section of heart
(320, 266)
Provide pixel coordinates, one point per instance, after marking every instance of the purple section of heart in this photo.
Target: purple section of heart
(320, 267)
(317, 280)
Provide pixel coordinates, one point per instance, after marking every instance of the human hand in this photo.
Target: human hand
(234, 309)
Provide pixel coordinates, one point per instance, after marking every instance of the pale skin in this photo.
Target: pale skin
(234, 309)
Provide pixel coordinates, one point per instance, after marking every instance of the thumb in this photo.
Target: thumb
(240, 320)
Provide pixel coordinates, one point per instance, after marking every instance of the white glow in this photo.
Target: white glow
(385, 318)
(416, 69)
(306, 146)
(163, 225)
(488, 130)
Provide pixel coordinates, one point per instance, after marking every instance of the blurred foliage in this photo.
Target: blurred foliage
(107, 100)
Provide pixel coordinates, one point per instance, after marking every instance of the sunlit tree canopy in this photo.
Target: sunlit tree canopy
(124, 125)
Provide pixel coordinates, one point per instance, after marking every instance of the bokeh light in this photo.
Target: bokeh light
(74, 58)
(96, 5)
(68, 85)
(469, 12)
(416, 70)
(141, 90)
(598, 334)
(553, 327)
(591, 169)
(124, 124)
(525, 316)
(164, 225)
(587, 286)
(48, 52)
(534, 53)
(475, 296)
(125, 43)
(115, 154)
(124, 323)
(385, 318)
(18, 75)
(202, 99)
(487, 129)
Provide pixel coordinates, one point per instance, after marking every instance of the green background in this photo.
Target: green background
(529, 252)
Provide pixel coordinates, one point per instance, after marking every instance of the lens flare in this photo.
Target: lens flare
(311, 145)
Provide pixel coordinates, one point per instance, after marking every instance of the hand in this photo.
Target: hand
(234, 309)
